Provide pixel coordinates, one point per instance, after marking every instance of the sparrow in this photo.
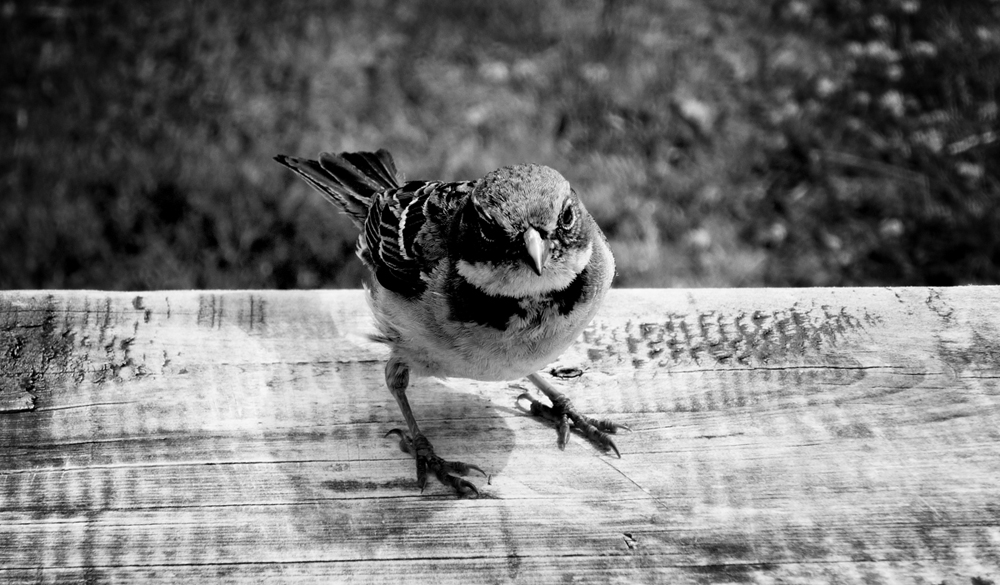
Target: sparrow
(488, 279)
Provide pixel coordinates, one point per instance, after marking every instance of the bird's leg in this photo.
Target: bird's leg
(563, 414)
(397, 378)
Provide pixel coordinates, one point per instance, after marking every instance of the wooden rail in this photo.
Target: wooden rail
(779, 436)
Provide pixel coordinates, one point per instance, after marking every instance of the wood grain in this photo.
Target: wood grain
(780, 436)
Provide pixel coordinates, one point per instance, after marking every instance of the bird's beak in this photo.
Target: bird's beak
(538, 248)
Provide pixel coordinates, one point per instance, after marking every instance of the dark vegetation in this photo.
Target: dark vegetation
(719, 143)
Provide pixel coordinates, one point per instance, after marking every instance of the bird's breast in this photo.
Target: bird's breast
(520, 338)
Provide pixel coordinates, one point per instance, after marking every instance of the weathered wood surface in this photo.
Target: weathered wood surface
(780, 436)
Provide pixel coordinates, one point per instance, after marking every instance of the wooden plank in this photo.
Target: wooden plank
(792, 435)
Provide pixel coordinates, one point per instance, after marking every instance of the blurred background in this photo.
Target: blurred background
(717, 142)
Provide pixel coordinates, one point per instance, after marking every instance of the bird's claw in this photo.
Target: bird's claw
(450, 473)
(564, 416)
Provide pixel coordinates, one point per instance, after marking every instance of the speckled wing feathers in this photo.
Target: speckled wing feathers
(406, 230)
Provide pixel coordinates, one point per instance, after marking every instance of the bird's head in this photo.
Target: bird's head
(523, 232)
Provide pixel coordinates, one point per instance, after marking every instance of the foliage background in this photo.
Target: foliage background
(718, 142)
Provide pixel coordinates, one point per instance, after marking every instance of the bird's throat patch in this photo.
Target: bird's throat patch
(519, 280)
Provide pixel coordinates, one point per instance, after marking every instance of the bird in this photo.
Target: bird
(488, 279)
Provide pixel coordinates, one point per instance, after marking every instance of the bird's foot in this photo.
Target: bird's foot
(450, 473)
(565, 416)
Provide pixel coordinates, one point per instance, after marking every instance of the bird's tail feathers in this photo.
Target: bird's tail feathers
(348, 179)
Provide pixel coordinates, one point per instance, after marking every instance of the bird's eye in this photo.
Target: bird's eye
(490, 229)
(487, 230)
(568, 216)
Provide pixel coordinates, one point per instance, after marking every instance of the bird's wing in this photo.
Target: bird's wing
(407, 230)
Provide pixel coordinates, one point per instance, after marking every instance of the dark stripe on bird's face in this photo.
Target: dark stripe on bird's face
(469, 304)
(477, 240)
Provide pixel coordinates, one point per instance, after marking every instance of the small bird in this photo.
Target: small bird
(489, 279)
